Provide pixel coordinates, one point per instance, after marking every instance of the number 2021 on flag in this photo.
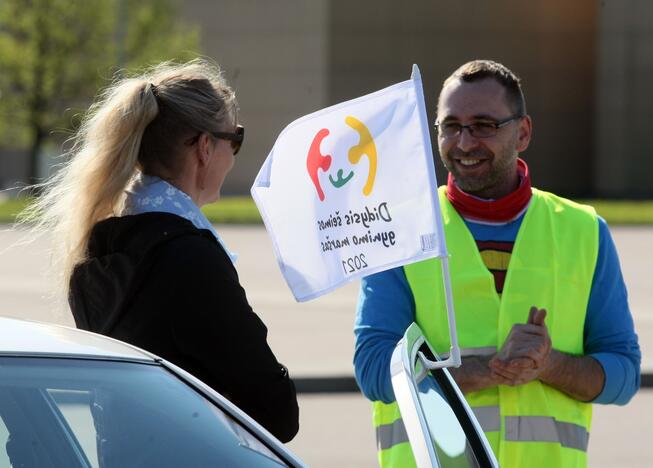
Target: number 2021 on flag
(352, 264)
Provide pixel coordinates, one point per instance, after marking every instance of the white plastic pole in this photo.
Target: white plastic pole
(454, 355)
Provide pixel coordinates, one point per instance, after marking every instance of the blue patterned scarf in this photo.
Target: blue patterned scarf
(152, 194)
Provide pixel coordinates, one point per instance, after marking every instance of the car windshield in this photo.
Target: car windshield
(68, 412)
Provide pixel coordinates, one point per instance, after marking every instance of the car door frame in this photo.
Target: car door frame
(412, 351)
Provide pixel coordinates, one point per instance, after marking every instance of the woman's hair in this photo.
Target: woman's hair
(138, 122)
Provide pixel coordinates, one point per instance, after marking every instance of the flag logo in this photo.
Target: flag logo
(350, 190)
(315, 160)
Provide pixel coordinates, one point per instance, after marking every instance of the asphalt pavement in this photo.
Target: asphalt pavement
(315, 341)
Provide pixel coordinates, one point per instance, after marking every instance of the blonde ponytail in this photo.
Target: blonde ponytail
(134, 121)
(90, 186)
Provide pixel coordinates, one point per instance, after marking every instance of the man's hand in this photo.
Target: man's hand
(527, 355)
(524, 355)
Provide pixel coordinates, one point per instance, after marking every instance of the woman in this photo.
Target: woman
(142, 262)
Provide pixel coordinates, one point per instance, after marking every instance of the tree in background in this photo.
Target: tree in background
(56, 54)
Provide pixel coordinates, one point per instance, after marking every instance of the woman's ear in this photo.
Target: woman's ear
(204, 148)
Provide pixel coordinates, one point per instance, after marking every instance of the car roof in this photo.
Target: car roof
(29, 338)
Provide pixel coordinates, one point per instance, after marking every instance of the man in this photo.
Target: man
(541, 306)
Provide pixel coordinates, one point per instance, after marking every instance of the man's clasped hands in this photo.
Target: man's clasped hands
(525, 355)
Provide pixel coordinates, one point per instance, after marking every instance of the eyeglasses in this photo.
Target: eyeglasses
(476, 129)
(236, 138)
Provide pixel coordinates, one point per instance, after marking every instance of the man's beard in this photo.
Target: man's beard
(499, 168)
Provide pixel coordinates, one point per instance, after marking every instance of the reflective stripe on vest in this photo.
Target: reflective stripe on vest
(551, 266)
(388, 435)
(489, 417)
(518, 429)
(546, 429)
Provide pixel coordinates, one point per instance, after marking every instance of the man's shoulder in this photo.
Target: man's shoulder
(562, 205)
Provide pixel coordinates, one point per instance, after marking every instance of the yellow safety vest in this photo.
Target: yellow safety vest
(552, 266)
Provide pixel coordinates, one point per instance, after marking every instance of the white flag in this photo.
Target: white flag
(350, 190)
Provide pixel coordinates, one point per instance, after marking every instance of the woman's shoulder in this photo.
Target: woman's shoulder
(162, 234)
(125, 230)
(142, 224)
(195, 249)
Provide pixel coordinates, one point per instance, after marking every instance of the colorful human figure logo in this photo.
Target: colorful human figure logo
(315, 160)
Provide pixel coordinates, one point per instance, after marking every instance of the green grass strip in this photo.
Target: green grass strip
(10, 207)
(229, 210)
(233, 210)
(615, 212)
(242, 210)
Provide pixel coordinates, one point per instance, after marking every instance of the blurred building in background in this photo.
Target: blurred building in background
(586, 68)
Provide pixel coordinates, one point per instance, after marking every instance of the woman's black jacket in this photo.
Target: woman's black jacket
(156, 281)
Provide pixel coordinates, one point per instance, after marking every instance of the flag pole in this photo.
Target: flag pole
(454, 353)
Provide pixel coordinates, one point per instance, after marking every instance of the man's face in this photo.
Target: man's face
(485, 167)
